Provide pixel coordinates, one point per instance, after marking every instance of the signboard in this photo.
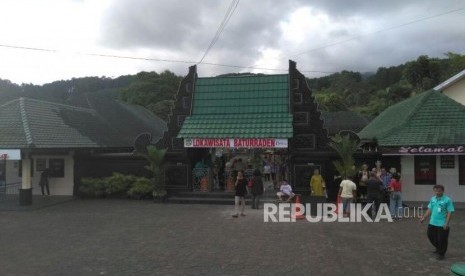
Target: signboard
(424, 150)
(447, 162)
(235, 143)
(10, 154)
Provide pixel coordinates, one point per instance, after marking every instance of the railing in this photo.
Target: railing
(9, 191)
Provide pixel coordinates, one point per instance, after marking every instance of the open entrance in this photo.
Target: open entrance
(214, 169)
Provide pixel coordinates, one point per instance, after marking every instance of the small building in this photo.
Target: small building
(90, 136)
(427, 133)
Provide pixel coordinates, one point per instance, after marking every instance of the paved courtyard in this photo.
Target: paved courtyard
(123, 237)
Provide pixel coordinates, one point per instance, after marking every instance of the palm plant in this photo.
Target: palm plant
(155, 157)
(346, 147)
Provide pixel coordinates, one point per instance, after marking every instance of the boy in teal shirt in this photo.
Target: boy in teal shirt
(440, 207)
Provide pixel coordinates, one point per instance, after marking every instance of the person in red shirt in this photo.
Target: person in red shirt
(395, 204)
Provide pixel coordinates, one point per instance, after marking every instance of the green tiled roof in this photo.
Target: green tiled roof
(430, 118)
(30, 123)
(240, 107)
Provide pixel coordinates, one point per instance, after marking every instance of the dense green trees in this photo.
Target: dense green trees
(374, 93)
(368, 93)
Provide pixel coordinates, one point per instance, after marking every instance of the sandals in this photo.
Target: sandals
(236, 215)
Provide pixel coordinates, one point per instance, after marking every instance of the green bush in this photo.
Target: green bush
(141, 188)
(93, 187)
(118, 184)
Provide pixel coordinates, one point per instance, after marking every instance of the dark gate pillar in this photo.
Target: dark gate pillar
(25, 193)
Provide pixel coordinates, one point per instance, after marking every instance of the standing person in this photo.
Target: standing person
(333, 188)
(317, 184)
(221, 170)
(348, 194)
(257, 188)
(43, 182)
(362, 179)
(267, 171)
(283, 169)
(440, 207)
(395, 204)
(374, 187)
(386, 178)
(241, 190)
(273, 171)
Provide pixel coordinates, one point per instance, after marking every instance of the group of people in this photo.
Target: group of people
(440, 206)
(374, 186)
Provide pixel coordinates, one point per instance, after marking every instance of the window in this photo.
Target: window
(296, 84)
(188, 87)
(462, 170)
(57, 167)
(425, 170)
(186, 102)
(41, 164)
(181, 119)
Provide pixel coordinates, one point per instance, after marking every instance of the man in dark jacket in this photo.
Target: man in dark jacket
(43, 182)
(257, 188)
(374, 187)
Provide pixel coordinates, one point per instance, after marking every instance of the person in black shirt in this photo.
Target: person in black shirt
(257, 188)
(241, 192)
(43, 183)
(374, 187)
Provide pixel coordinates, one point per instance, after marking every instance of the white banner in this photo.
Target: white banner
(235, 143)
(10, 154)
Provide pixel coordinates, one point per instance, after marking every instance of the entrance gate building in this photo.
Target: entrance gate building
(274, 112)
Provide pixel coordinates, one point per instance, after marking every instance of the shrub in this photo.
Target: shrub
(141, 188)
(119, 184)
(93, 187)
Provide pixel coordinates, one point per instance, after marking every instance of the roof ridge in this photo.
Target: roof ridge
(78, 108)
(243, 76)
(25, 121)
(9, 102)
(450, 81)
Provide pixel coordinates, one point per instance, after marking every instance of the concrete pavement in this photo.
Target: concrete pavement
(129, 237)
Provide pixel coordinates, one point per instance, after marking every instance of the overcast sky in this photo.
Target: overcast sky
(322, 36)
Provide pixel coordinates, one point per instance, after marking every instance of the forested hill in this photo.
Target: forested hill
(367, 93)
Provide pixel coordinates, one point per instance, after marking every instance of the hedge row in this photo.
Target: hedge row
(117, 185)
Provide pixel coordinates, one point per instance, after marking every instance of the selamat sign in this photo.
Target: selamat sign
(235, 143)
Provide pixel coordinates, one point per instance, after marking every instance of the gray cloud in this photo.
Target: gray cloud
(187, 27)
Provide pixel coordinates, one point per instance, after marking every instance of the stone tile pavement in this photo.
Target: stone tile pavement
(124, 237)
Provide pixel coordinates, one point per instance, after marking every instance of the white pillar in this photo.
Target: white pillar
(26, 173)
